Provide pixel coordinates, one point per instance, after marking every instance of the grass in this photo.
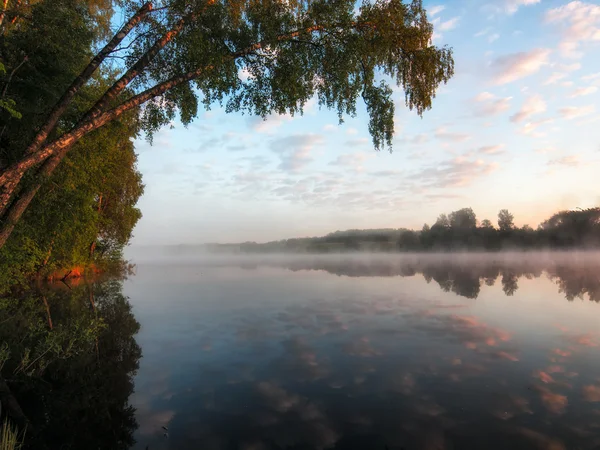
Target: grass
(9, 437)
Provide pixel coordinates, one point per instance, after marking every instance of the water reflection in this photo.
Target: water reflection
(576, 275)
(72, 357)
(281, 354)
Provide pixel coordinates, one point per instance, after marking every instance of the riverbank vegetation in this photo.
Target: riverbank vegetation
(67, 358)
(83, 214)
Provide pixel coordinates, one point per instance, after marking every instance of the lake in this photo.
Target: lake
(368, 352)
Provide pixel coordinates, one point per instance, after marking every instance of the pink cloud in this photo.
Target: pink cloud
(513, 67)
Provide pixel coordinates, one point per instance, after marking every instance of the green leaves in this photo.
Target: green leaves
(294, 51)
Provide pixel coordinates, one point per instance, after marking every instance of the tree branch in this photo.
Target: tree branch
(54, 153)
(59, 109)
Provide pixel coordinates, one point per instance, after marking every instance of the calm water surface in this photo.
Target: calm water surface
(368, 353)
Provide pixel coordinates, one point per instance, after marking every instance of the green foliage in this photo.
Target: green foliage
(463, 218)
(505, 220)
(72, 378)
(299, 50)
(84, 214)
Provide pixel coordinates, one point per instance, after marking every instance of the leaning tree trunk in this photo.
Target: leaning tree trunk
(10, 179)
(52, 154)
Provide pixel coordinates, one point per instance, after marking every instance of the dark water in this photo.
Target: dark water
(368, 353)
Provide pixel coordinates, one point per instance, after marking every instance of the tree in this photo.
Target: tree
(463, 218)
(189, 50)
(505, 220)
(486, 223)
(442, 221)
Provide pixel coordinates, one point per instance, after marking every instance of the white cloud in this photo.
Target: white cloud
(591, 76)
(583, 91)
(270, 124)
(295, 150)
(434, 10)
(568, 161)
(352, 160)
(555, 78)
(580, 22)
(483, 32)
(330, 127)
(419, 139)
(489, 105)
(574, 112)
(357, 142)
(534, 104)
(457, 172)
(513, 67)
(530, 128)
(491, 149)
(449, 24)
(512, 6)
(484, 96)
(493, 37)
(445, 135)
(569, 67)
(352, 131)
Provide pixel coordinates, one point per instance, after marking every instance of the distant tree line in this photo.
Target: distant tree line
(458, 231)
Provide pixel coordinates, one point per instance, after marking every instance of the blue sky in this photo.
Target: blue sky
(518, 127)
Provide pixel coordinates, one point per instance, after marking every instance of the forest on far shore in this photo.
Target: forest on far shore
(457, 231)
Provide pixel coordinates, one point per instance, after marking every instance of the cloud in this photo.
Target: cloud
(567, 161)
(530, 128)
(553, 402)
(295, 150)
(583, 91)
(580, 22)
(539, 440)
(512, 6)
(555, 78)
(533, 105)
(445, 135)
(436, 10)
(270, 124)
(449, 24)
(515, 66)
(570, 67)
(483, 32)
(591, 393)
(574, 112)
(358, 142)
(352, 160)
(493, 37)
(591, 76)
(330, 127)
(490, 105)
(457, 172)
(491, 149)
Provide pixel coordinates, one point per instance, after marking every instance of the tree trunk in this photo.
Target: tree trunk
(10, 179)
(48, 311)
(54, 152)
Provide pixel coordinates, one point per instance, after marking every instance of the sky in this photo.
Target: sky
(517, 127)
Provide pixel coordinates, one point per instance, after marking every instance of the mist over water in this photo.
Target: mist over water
(354, 351)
